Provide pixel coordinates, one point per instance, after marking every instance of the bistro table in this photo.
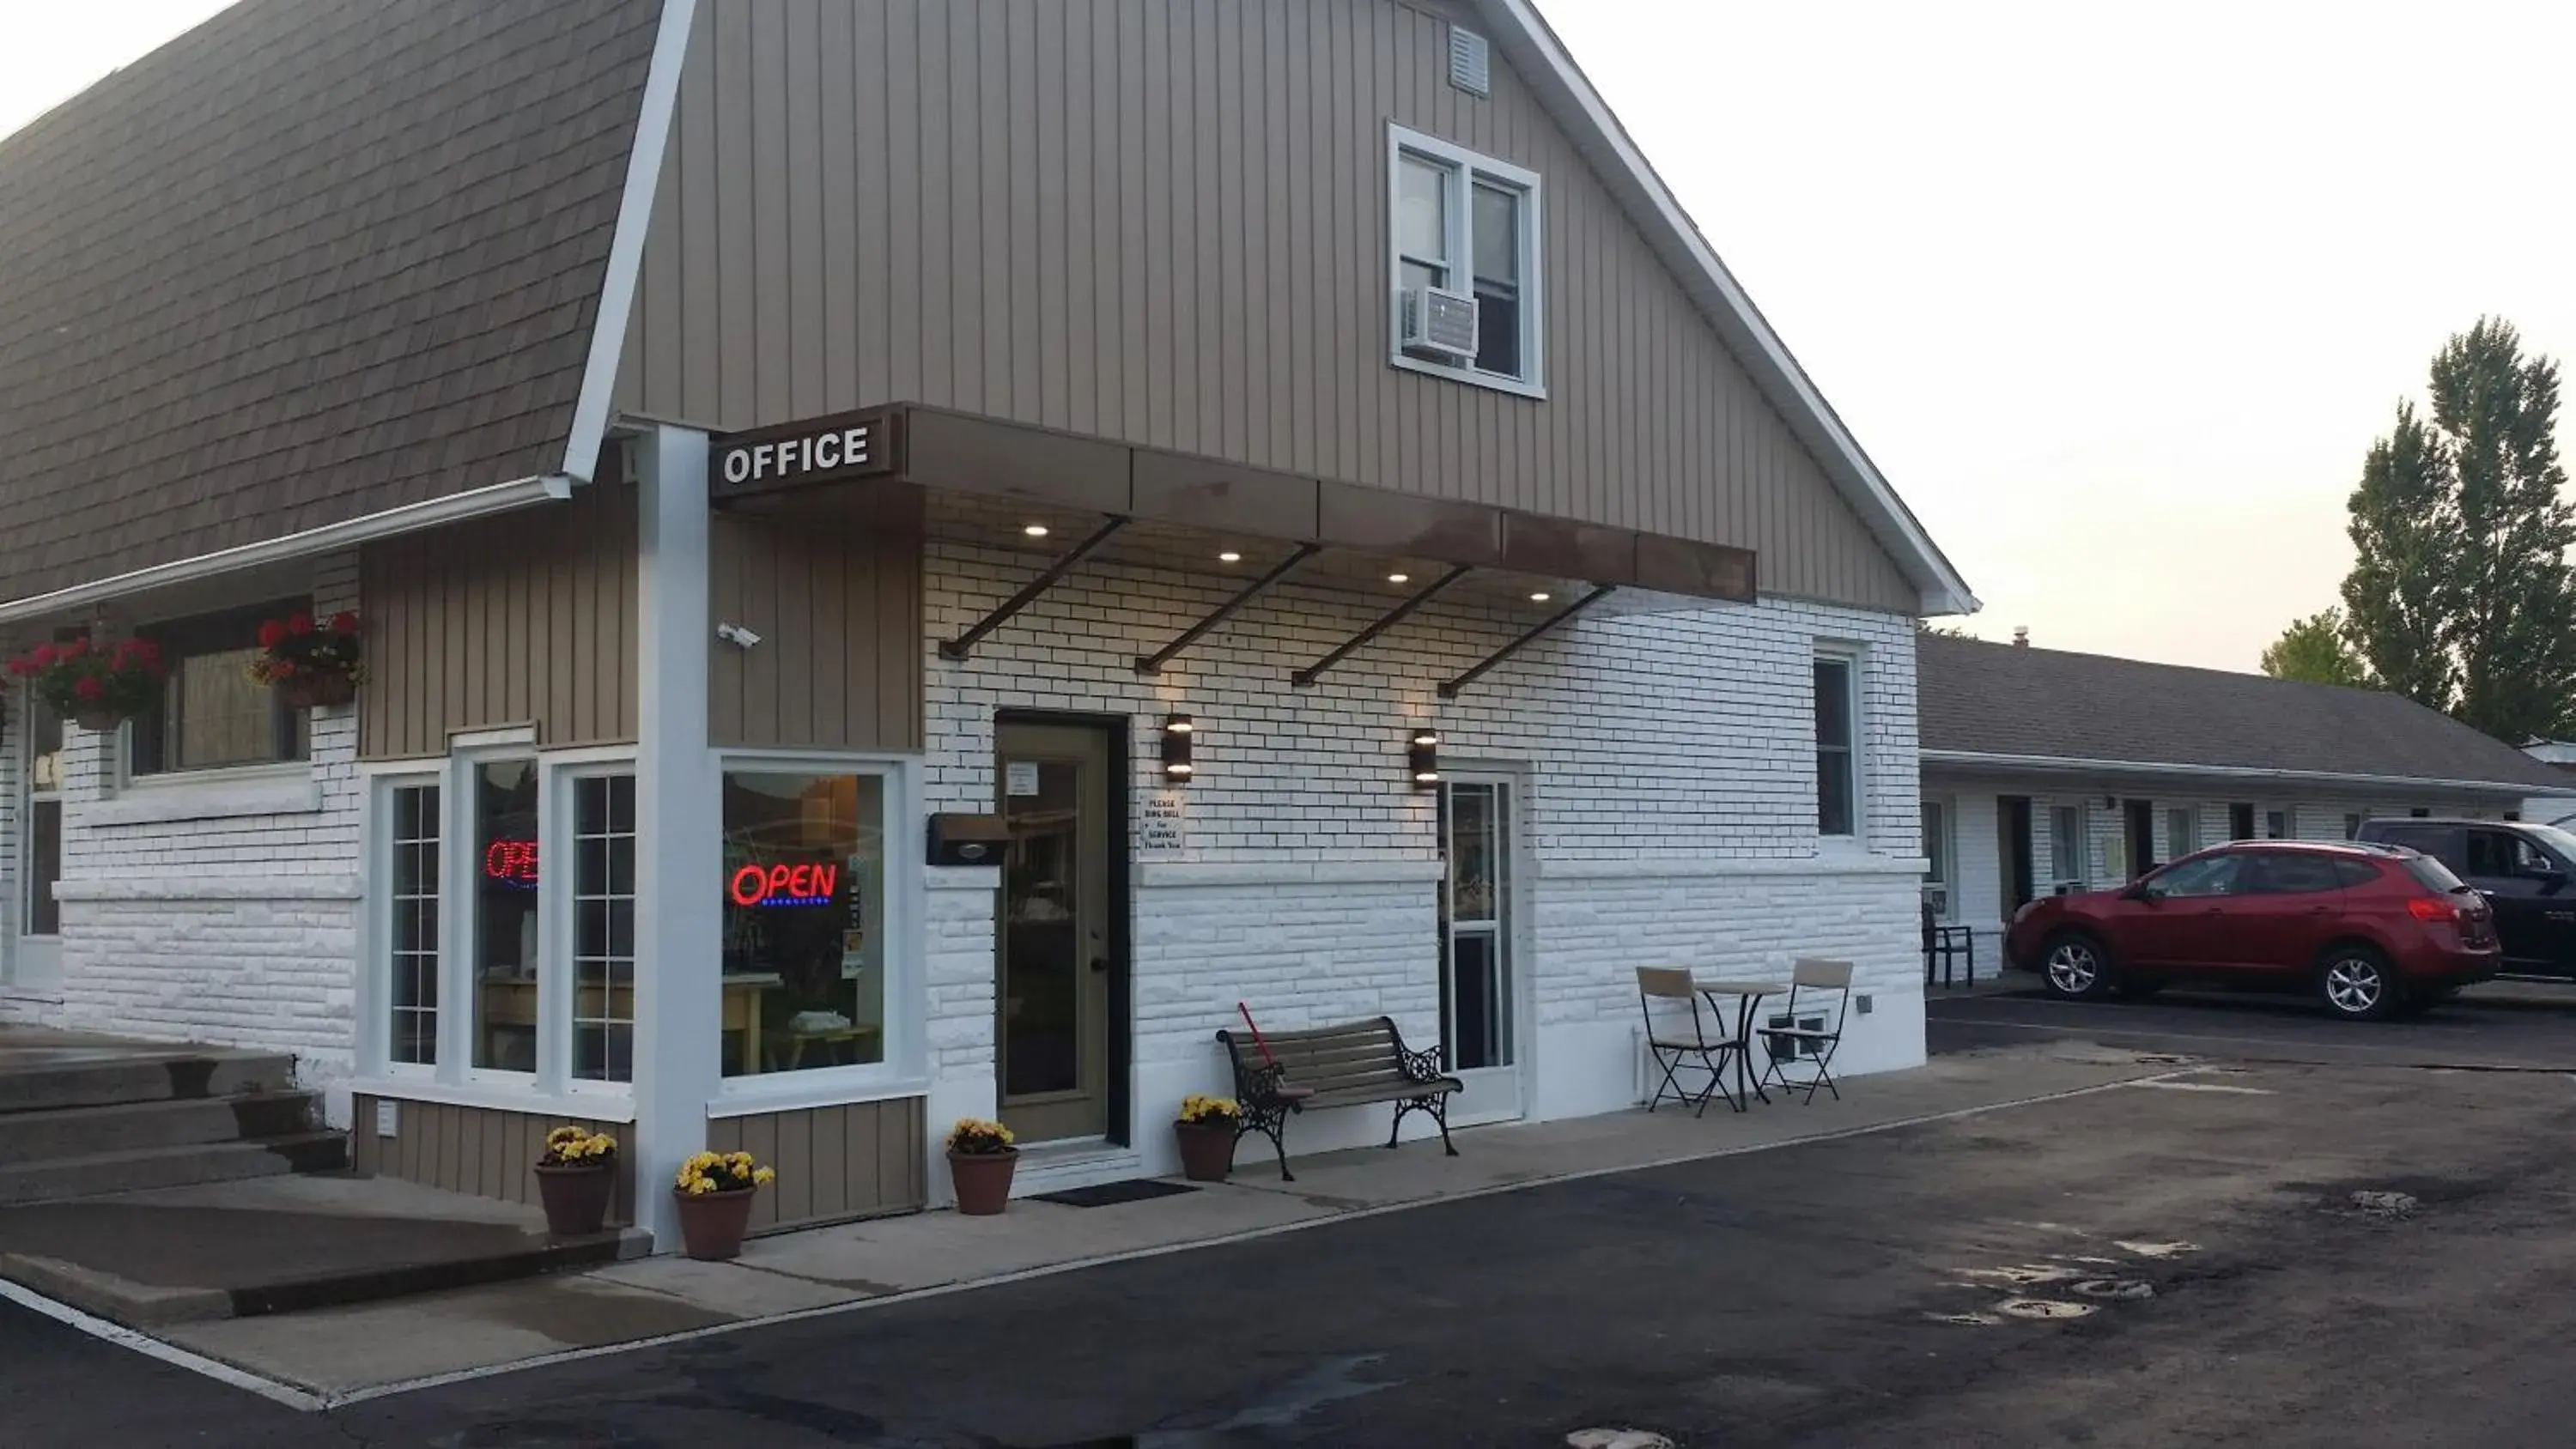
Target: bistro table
(1747, 994)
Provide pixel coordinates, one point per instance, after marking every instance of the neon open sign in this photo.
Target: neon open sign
(512, 862)
(784, 885)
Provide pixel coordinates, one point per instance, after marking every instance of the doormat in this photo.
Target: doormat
(1110, 1194)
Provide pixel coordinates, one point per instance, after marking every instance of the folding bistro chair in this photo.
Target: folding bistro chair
(1673, 1050)
(1810, 984)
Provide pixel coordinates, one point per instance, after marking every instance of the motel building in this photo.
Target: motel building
(916, 560)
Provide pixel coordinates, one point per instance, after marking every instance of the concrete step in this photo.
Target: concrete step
(180, 1074)
(56, 1133)
(135, 1169)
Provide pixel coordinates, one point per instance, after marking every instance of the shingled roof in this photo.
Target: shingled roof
(311, 260)
(1999, 699)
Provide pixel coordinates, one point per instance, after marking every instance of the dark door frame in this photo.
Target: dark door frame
(1118, 730)
(2139, 818)
(2013, 811)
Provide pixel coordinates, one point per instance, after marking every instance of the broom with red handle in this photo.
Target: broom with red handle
(1283, 1089)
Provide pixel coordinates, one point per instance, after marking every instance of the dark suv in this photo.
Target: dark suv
(2524, 871)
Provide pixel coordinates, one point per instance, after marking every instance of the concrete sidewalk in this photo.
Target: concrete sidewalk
(354, 1352)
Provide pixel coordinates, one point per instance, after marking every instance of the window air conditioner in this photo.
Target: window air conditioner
(1439, 323)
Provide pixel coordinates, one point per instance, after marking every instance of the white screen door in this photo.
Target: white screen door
(1480, 1009)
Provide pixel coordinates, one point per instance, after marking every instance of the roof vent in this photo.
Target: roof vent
(2021, 636)
(1471, 62)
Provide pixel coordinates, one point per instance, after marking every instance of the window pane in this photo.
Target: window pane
(218, 716)
(1498, 331)
(1422, 209)
(1833, 703)
(1833, 792)
(804, 921)
(2293, 874)
(2066, 844)
(1497, 223)
(412, 967)
(47, 728)
(2182, 837)
(603, 904)
(2211, 875)
(506, 948)
(1936, 842)
(2276, 825)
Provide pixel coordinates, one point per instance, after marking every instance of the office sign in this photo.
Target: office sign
(802, 454)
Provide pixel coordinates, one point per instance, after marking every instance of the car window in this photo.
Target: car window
(2503, 853)
(2291, 873)
(2356, 872)
(2445, 843)
(2211, 875)
(2435, 876)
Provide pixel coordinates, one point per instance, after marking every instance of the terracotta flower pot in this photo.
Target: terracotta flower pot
(576, 1196)
(712, 1224)
(1207, 1150)
(317, 691)
(983, 1180)
(97, 721)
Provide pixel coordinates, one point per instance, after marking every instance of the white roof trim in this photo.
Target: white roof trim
(626, 243)
(2057, 765)
(1527, 39)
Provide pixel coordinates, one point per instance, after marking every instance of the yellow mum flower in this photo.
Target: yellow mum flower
(764, 1176)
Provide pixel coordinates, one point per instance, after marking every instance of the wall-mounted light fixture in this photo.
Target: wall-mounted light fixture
(1178, 731)
(1424, 758)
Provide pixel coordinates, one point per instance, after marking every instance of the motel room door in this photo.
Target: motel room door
(1481, 1011)
(35, 965)
(1053, 967)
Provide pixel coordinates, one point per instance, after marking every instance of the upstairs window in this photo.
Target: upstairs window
(1464, 265)
(213, 715)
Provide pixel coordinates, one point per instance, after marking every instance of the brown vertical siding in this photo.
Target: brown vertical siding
(833, 1162)
(1166, 223)
(479, 1151)
(837, 603)
(528, 617)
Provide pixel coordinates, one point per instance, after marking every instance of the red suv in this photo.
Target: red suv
(2374, 930)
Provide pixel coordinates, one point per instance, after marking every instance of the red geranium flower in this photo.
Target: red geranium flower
(299, 623)
(75, 649)
(272, 634)
(22, 667)
(344, 622)
(43, 658)
(148, 652)
(88, 686)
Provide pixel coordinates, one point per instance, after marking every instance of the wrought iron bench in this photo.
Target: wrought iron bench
(1349, 1065)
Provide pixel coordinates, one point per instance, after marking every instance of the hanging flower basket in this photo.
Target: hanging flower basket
(310, 666)
(97, 687)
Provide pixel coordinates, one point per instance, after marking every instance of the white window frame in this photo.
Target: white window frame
(2082, 852)
(1465, 168)
(1851, 661)
(454, 1078)
(1940, 867)
(2289, 822)
(905, 1070)
(2176, 849)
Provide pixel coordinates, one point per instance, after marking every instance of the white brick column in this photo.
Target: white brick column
(679, 799)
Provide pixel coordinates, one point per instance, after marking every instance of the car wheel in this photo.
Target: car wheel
(2076, 967)
(2356, 983)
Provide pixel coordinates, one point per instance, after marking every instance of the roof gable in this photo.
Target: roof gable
(1975, 698)
(312, 260)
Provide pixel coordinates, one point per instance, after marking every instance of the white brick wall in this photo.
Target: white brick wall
(230, 928)
(1668, 790)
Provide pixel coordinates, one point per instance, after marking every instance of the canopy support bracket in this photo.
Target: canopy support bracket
(964, 644)
(1153, 664)
(1392, 617)
(1528, 637)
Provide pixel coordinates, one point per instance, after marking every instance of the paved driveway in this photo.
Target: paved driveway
(2509, 1026)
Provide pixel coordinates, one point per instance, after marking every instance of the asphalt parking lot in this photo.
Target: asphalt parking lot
(2277, 1242)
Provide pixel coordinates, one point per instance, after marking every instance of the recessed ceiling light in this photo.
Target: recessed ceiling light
(1539, 598)
(1398, 578)
(1229, 556)
(1035, 530)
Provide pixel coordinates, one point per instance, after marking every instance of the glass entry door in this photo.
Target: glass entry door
(36, 956)
(1480, 1013)
(1053, 972)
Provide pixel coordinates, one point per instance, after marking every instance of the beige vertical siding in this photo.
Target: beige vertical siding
(476, 1150)
(528, 617)
(833, 1162)
(837, 605)
(1164, 222)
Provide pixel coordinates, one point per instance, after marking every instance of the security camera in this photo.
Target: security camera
(738, 636)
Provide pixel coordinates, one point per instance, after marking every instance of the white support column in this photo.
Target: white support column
(679, 799)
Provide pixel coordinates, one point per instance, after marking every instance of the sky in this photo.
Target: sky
(2116, 293)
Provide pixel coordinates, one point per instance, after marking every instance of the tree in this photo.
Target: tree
(2462, 597)
(2314, 651)
(1946, 631)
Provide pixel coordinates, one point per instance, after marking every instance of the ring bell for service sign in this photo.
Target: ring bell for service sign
(801, 455)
